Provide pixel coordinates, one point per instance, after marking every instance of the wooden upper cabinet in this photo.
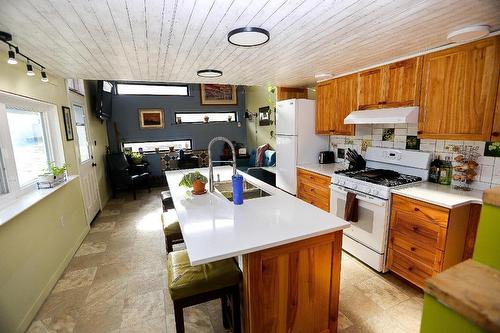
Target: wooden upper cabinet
(459, 88)
(402, 83)
(392, 85)
(370, 88)
(323, 107)
(495, 132)
(344, 97)
(335, 99)
(289, 93)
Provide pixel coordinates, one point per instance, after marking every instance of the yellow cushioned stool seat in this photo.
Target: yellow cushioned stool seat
(170, 224)
(171, 229)
(185, 280)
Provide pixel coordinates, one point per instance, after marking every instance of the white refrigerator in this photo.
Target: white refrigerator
(296, 141)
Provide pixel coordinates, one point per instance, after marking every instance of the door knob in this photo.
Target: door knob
(94, 164)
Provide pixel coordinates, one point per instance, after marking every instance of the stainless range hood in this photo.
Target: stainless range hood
(404, 115)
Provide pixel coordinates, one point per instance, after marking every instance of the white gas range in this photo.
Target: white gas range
(386, 169)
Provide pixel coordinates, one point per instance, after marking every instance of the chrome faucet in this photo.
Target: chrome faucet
(210, 162)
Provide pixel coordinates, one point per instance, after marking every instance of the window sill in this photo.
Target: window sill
(26, 201)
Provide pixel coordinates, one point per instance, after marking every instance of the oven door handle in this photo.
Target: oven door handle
(361, 197)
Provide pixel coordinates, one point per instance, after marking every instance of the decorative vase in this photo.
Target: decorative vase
(198, 187)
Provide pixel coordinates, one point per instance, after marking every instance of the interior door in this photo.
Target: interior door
(88, 177)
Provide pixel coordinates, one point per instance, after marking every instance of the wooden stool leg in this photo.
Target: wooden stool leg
(236, 310)
(179, 318)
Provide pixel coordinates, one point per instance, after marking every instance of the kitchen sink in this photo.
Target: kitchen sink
(250, 191)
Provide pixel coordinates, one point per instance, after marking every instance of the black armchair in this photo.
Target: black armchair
(125, 177)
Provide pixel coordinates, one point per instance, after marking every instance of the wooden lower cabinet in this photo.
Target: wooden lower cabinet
(426, 239)
(293, 287)
(313, 188)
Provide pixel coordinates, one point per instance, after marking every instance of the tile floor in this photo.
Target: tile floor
(116, 283)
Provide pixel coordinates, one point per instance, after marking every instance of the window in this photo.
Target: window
(76, 85)
(30, 139)
(81, 132)
(152, 89)
(29, 144)
(151, 146)
(199, 117)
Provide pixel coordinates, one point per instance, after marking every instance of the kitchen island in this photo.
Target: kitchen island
(289, 252)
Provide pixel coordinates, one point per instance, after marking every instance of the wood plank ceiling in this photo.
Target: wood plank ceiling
(169, 40)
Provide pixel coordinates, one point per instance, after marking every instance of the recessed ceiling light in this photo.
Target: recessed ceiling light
(468, 33)
(248, 36)
(209, 73)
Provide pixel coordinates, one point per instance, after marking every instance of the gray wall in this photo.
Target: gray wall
(125, 115)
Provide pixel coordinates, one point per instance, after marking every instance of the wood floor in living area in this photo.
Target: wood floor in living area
(116, 282)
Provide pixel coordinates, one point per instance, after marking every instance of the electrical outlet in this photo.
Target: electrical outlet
(61, 221)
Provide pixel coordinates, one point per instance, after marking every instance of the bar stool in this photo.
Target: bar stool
(171, 229)
(190, 285)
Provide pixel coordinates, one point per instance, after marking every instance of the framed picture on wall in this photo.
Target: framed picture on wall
(151, 118)
(264, 116)
(218, 94)
(68, 124)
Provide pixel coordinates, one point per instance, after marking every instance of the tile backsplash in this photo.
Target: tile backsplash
(488, 171)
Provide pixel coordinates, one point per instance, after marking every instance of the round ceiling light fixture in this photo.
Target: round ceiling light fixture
(323, 76)
(248, 36)
(209, 73)
(469, 33)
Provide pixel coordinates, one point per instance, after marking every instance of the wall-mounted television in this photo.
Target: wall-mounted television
(104, 94)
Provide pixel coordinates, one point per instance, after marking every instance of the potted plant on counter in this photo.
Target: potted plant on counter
(196, 181)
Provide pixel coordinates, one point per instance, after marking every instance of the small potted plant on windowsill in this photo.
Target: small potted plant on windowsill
(196, 181)
(54, 174)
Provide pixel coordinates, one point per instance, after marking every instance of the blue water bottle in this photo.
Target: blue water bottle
(238, 189)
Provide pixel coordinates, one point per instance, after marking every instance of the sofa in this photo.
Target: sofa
(269, 160)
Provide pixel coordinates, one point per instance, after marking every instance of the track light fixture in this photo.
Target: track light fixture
(29, 69)
(12, 56)
(44, 75)
(14, 50)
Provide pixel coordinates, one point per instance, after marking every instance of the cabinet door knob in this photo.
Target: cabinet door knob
(414, 228)
(417, 209)
(495, 134)
(420, 132)
(410, 268)
(412, 249)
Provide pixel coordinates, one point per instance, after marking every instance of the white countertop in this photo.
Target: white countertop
(214, 228)
(440, 195)
(27, 200)
(323, 169)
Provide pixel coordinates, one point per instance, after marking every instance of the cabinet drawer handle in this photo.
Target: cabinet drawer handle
(420, 132)
(412, 249)
(414, 228)
(417, 209)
